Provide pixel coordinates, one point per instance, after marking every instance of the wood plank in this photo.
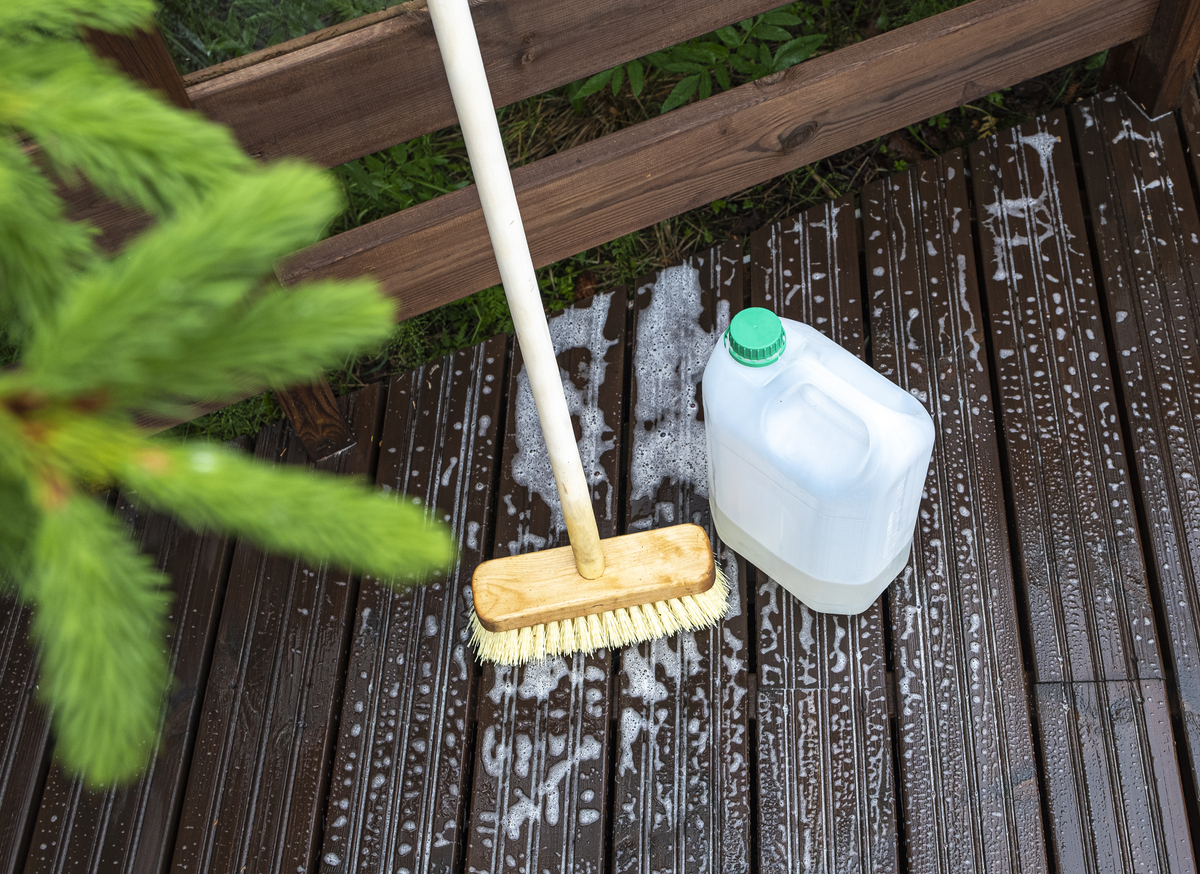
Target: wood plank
(1189, 117)
(133, 829)
(438, 251)
(142, 55)
(260, 769)
(313, 413)
(1156, 70)
(1074, 524)
(544, 734)
(356, 88)
(826, 796)
(24, 736)
(116, 223)
(401, 774)
(1148, 245)
(1110, 762)
(639, 568)
(1080, 562)
(968, 778)
(683, 786)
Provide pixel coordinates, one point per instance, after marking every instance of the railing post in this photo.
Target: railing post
(312, 409)
(1156, 69)
(142, 56)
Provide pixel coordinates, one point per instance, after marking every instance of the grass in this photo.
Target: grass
(205, 32)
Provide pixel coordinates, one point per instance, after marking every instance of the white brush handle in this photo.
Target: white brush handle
(477, 115)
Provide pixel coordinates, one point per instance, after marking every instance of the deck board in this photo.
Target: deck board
(545, 732)
(401, 773)
(682, 785)
(133, 829)
(1076, 532)
(24, 736)
(968, 777)
(1144, 215)
(256, 789)
(826, 794)
(1112, 780)
(1080, 558)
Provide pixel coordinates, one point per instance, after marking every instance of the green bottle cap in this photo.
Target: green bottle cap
(755, 337)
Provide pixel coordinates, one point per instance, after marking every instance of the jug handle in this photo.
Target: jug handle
(833, 378)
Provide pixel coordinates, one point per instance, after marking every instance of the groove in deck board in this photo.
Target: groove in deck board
(968, 780)
(1145, 220)
(1076, 533)
(826, 797)
(683, 770)
(1110, 763)
(543, 739)
(399, 779)
(1081, 562)
(133, 829)
(256, 788)
(24, 735)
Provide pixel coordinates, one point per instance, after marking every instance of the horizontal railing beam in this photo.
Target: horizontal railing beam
(439, 251)
(359, 87)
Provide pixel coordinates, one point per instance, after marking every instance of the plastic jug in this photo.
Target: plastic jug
(816, 463)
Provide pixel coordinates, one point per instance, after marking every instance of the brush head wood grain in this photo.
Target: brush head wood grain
(641, 568)
(610, 629)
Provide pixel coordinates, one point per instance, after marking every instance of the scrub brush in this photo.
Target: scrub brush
(590, 594)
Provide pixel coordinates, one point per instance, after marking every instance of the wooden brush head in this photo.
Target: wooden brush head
(641, 568)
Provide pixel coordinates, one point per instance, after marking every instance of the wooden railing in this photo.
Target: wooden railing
(359, 87)
(438, 251)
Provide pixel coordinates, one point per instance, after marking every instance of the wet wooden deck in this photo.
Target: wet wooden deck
(1023, 698)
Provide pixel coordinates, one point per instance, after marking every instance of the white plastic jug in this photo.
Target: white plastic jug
(815, 462)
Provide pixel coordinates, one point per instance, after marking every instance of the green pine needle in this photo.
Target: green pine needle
(41, 249)
(320, 517)
(63, 17)
(100, 622)
(125, 325)
(284, 337)
(157, 157)
(17, 520)
(18, 514)
(291, 509)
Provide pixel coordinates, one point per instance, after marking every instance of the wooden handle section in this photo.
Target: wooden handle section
(473, 102)
(642, 568)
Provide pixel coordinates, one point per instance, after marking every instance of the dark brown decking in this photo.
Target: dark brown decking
(1024, 698)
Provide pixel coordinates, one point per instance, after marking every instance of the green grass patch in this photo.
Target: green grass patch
(246, 417)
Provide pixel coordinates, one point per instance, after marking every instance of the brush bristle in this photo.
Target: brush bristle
(611, 630)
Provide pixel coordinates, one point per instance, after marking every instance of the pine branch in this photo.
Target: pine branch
(18, 515)
(317, 516)
(39, 249)
(35, 18)
(283, 337)
(99, 619)
(17, 521)
(124, 319)
(184, 311)
(156, 157)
